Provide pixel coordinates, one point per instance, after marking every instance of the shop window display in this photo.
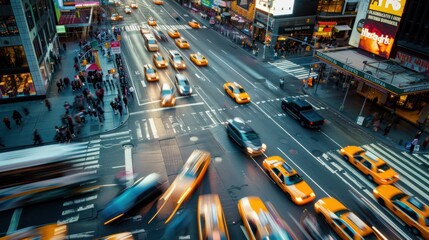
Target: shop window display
(12, 57)
(16, 85)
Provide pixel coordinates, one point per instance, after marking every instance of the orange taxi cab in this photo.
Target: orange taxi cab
(182, 43)
(173, 33)
(211, 219)
(236, 92)
(159, 60)
(198, 59)
(151, 21)
(150, 73)
(194, 24)
(375, 169)
(288, 180)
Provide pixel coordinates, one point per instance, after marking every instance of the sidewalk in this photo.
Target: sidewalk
(45, 121)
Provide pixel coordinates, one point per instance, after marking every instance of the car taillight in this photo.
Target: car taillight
(311, 123)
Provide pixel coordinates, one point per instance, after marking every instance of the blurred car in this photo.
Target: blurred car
(142, 191)
(236, 92)
(245, 137)
(344, 222)
(194, 24)
(127, 9)
(167, 96)
(211, 219)
(116, 17)
(296, 189)
(134, 5)
(151, 21)
(261, 221)
(159, 60)
(125, 177)
(375, 169)
(408, 208)
(188, 179)
(199, 59)
(150, 73)
(312, 228)
(173, 33)
(117, 2)
(182, 84)
(49, 231)
(182, 43)
(176, 60)
(158, 2)
(159, 35)
(144, 31)
(118, 236)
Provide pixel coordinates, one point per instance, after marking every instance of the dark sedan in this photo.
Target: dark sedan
(183, 84)
(142, 191)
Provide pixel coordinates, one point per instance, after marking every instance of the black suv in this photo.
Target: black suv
(245, 137)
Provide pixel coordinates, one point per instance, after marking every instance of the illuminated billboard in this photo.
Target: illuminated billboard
(278, 7)
(380, 26)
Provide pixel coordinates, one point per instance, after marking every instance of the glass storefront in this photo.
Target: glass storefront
(16, 85)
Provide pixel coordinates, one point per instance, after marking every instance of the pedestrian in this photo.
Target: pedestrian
(17, 117)
(37, 139)
(26, 111)
(7, 122)
(48, 104)
(119, 107)
(131, 91)
(376, 125)
(58, 86)
(387, 129)
(113, 105)
(64, 47)
(67, 107)
(419, 133)
(125, 100)
(425, 143)
(413, 144)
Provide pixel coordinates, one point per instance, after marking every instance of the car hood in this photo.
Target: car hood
(254, 144)
(243, 95)
(302, 189)
(387, 174)
(185, 88)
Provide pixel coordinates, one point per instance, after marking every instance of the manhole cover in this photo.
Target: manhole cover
(218, 159)
(293, 151)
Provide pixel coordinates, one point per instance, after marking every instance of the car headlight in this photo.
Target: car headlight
(264, 146)
(342, 150)
(163, 101)
(298, 199)
(190, 90)
(312, 194)
(173, 101)
(184, 65)
(249, 150)
(375, 191)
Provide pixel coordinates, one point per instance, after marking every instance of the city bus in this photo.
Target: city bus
(150, 42)
(42, 173)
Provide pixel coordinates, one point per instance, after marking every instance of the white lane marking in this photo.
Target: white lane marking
(146, 129)
(153, 128)
(115, 134)
(223, 51)
(326, 135)
(166, 108)
(143, 83)
(139, 131)
(211, 117)
(121, 166)
(209, 41)
(220, 91)
(226, 64)
(129, 165)
(14, 221)
(302, 171)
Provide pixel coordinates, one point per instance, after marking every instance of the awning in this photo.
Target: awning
(339, 28)
(258, 25)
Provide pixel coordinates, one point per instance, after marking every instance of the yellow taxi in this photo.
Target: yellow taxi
(158, 2)
(199, 59)
(194, 24)
(159, 60)
(118, 236)
(144, 31)
(236, 92)
(211, 219)
(182, 43)
(173, 33)
(116, 17)
(151, 21)
(344, 222)
(262, 221)
(167, 96)
(408, 208)
(187, 180)
(288, 180)
(49, 231)
(375, 169)
(150, 73)
(134, 5)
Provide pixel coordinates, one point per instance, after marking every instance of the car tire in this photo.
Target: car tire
(381, 202)
(346, 157)
(268, 174)
(289, 196)
(283, 107)
(370, 178)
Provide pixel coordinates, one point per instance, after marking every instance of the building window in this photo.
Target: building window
(12, 57)
(42, 40)
(16, 85)
(4, 2)
(30, 20)
(8, 26)
(37, 48)
(330, 7)
(35, 12)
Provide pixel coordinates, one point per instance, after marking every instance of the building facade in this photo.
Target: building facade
(29, 48)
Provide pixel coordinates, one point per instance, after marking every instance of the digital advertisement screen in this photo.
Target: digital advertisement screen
(380, 26)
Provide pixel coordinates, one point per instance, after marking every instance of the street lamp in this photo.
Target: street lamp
(270, 2)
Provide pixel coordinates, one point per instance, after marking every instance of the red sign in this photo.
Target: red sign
(116, 47)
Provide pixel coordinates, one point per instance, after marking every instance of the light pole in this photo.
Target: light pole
(345, 96)
(266, 29)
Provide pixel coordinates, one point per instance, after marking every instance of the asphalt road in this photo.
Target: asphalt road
(161, 139)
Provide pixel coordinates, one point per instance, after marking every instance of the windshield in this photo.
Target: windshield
(239, 90)
(150, 70)
(294, 179)
(178, 59)
(151, 41)
(382, 168)
(167, 91)
(183, 82)
(250, 135)
(159, 58)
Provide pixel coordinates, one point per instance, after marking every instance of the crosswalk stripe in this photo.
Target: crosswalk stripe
(153, 128)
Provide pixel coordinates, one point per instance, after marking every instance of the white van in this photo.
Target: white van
(150, 42)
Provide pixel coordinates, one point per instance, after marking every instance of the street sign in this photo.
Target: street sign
(116, 47)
